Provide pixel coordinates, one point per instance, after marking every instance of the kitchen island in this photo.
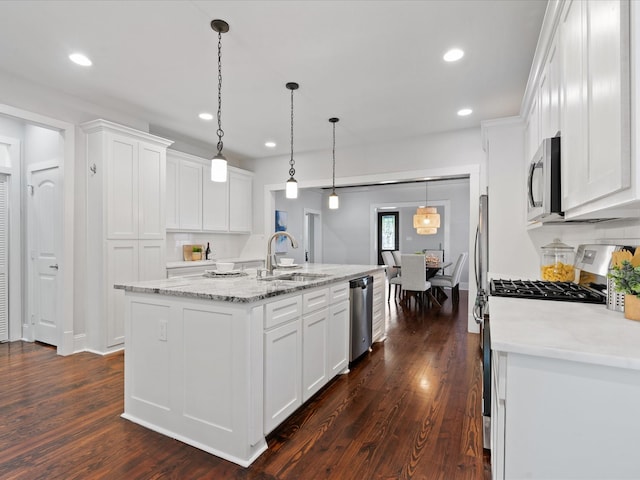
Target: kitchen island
(565, 391)
(219, 362)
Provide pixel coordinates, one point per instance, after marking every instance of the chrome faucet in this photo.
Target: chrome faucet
(294, 244)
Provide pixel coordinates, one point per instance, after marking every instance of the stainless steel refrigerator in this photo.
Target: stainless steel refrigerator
(481, 313)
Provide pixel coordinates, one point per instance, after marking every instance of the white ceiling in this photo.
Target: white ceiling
(375, 64)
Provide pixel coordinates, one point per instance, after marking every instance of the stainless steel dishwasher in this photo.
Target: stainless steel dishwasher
(361, 314)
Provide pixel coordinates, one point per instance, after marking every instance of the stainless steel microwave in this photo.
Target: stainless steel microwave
(544, 193)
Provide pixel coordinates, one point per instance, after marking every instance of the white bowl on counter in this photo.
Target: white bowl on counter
(285, 261)
(224, 266)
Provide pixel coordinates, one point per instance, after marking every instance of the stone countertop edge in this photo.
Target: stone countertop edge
(187, 286)
(579, 332)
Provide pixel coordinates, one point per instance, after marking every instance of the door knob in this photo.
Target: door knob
(55, 267)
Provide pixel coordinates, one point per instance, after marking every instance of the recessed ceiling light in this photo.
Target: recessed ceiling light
(205, 116)
(464, 112)
(80, 59)
(453, 55)
(270, 144)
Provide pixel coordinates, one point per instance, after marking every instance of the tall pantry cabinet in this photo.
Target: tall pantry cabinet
(126, 174)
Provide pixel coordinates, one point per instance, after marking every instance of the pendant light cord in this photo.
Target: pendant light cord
(292, 171)
(334, 158)
(220, 132)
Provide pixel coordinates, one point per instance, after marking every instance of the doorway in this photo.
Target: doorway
(388, 233)
(312, 236)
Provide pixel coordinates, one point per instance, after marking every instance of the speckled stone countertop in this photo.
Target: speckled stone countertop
(580, 332)
(248, 288)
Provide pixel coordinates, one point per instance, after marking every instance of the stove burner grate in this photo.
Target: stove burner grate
(543, 290)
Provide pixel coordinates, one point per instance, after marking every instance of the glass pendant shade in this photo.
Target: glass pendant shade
(291, 189)
(334, 201)
(219, 168)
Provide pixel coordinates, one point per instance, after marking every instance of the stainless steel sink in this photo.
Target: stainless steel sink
(295, 277)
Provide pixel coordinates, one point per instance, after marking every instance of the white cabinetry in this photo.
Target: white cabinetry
(190, 195)
(198, 204)
(379, 312)
(554, 418)
(125, 222)
(282, 360)
(338, 348)
(595, 118)
(315, 347)
(306, 343)
(215, 203)
(240, 201)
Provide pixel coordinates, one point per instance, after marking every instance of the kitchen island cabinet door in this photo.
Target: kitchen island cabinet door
(315, 362)
(282, 373)
(338, 355)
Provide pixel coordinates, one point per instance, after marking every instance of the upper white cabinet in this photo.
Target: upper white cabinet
(240, 201)
(125, 222)
(595, 119)
(135, 180)
(202, 205)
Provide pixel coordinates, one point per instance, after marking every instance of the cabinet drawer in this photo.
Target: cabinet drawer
(315, 300)
(339, 293)
(282, 311)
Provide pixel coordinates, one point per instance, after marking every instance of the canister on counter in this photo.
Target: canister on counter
(557, 262)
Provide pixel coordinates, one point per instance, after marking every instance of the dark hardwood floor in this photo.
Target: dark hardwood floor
(408, 410)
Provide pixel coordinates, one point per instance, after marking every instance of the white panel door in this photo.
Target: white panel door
(172, 195)
(215, 203)
(151, 194)
(45, 240)
(190, 203)
(122, 268)
(338, 355)
(4, 258)
(240, 201)
(122, 188)
(314, 352)
(282, 373)
(151, 261)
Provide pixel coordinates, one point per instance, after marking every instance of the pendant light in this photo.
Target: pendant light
(426, 220)
(334, 202)
(291, 190)
(219, 162)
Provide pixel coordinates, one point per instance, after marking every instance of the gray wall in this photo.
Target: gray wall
(347, 232)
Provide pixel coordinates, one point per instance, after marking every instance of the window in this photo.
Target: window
(388, 233)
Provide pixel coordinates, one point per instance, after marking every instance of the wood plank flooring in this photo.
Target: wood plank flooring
(409, 410)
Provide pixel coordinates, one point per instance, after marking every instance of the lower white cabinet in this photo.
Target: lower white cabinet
(128, 261)
(378, 314)
(306, 344)
(315, 352)
(553, 418)
(282, 372)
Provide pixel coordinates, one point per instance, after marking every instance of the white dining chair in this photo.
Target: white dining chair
(451, 281)
(397, 257)
(414, 277)
(393, 274)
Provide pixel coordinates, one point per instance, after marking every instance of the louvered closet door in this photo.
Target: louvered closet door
(4, 257)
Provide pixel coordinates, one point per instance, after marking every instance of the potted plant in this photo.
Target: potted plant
(625, 273)
(196, 254)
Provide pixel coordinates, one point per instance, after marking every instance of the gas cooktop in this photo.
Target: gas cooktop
(542, 290)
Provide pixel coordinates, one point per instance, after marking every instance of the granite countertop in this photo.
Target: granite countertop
(247, 288)
(205, 263)
(574, 331)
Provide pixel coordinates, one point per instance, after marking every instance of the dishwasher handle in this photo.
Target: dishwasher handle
(362, 283)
